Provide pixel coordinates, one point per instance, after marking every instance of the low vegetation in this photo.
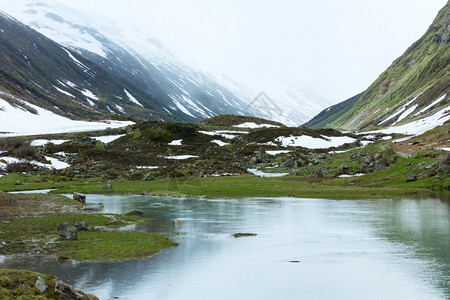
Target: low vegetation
(29, 225)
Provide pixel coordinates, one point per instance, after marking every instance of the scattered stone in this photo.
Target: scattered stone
(411, 178)
(344, 167)
(294, 261)
(136, 212)
(82, 226)
(18, 182)
(431, 173)
(41, 285)
(150, 176)
(107, 186)
(67, 292)
(238, 235)
(202, 197)
(178, 222)
(67, 231)
(79, 197)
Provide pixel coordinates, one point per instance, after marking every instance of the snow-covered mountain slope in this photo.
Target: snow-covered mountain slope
(179, 90)
(132, 55)
(41, 71)
(27, 119)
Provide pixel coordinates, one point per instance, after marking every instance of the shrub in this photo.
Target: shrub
(26, 151)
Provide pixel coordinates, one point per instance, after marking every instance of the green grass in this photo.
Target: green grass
(25, 235)
(113, 246)
(18, 284)
(250, 186)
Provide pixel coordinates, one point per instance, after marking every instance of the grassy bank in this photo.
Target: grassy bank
(252, 186)
(22, 231)
(19, 284)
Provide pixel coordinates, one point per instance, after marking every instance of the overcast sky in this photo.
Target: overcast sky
(337, 47)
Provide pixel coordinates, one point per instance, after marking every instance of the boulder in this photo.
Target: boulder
(150, 176)
(411, 178)
(67, 232)
(107, 186)
(41, 285)
(253, 161)
(66, 292)
(288, 164)
(82, 226)
(262, 155)
(79, 197)
(320, 172)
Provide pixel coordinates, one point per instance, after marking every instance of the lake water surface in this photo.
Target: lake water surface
(304, 249)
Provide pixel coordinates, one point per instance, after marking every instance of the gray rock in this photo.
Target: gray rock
(320, 172)
(107, 186)
(262, 155)
(82, 226)
(411, 178)
(288, 164)
(64, 291)
(67, 231)
(41, 285)
(344, 167)
(253, 161)
(150, 176)
(79, 197)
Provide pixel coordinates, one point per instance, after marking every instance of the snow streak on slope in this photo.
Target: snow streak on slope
(16, 121)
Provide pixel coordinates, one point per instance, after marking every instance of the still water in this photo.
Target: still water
(304, 249)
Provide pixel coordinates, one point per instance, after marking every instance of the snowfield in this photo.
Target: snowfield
(54, 163)
(314, 143)
(420, 126)
(15, 121)
(252, 125)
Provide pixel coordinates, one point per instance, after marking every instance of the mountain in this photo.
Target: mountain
(42, 72)
(414, 88)
(132, 55)
(129, 55)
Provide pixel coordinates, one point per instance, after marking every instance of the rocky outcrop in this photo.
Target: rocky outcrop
(63, 291)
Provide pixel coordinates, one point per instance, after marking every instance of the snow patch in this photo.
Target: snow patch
(37, 143)
(108, 138)
(276, 152)
(89, 94)
(254, 125)
(176, 143)
(420, 126)
(181, 157)
(220, 143)
(349, 176)
(314, 143)
(63, 91)
(16, 122)
(431, 105)
(132, 99)
(147, 167)
(263, 174)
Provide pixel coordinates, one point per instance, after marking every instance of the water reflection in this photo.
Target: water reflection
(371, 249)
